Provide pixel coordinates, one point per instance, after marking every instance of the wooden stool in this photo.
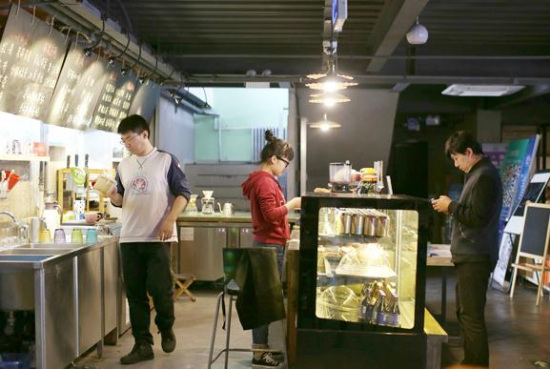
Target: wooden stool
(182, 283)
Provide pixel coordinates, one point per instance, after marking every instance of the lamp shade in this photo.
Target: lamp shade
(324, 124)
(418, 35)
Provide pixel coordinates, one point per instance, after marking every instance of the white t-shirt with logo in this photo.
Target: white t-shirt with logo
(148, 185)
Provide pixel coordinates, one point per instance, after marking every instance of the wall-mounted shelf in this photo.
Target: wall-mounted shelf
(23, 158)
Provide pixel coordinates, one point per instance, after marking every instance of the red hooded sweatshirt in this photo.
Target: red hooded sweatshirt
(267, 205)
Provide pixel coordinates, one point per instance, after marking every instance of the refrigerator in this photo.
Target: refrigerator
(361, 282)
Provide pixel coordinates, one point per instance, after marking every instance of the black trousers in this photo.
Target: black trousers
(471, 296)
(146, 269)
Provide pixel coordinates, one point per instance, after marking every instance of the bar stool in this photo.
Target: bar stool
(231, 259)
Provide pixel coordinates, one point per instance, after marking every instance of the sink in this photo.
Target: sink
(42, 251)
(25, 258)
(50, 246)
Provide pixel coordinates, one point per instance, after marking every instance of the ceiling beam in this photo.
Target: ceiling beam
(528, 93)
(394, 22)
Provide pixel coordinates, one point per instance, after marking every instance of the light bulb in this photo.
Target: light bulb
(329, 102)
(325, 127)
(330, 86)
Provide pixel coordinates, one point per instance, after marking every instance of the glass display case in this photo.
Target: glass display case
(362, 281)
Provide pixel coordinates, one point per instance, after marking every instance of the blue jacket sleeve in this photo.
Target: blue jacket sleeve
(119, 188)
(177, 180)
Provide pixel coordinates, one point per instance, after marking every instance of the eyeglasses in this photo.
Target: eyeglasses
(126, 141)
(284, 161)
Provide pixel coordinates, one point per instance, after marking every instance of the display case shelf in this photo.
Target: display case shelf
(24, 158)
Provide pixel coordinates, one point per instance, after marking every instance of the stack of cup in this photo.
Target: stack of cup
(91, 236)
(59, 236)
(76, 236)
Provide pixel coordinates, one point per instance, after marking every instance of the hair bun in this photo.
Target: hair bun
(269, 136)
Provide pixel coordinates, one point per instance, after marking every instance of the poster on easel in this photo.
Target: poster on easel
(515, 173)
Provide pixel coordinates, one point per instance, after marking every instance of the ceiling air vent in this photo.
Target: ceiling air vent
(481, 90)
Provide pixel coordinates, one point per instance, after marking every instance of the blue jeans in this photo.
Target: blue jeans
(260, 334)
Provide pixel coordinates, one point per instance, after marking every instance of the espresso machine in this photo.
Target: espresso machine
(340, 176)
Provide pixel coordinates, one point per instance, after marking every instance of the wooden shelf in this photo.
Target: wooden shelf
(23, 158)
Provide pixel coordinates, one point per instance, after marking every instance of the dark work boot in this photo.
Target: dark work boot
(168, 341)
(140, 352)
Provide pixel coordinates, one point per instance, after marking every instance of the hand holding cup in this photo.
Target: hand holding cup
(104, 184)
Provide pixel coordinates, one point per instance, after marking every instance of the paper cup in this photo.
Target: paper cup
(104, 184)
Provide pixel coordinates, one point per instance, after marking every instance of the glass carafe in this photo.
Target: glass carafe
(208, 205)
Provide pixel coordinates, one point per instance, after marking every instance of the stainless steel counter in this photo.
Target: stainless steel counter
(67, 287)
(237, 217)
(203, 236)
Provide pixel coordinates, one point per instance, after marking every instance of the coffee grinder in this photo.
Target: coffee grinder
(340, 177)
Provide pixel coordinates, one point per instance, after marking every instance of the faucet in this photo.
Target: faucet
(10, 214)
(22, 229)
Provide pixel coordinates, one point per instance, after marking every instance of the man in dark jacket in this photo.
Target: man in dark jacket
(474, 240)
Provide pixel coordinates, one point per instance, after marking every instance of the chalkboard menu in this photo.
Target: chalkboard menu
(146, 99)
(115, 100)
(31, 55)
(77, 90)
(535, 230)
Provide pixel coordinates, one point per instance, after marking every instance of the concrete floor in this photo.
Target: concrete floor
(519, 332)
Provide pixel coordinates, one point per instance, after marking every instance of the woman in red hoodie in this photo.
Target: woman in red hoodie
(269, 210)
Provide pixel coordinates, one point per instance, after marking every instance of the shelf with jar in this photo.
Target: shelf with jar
(17, 157)
(72, 191)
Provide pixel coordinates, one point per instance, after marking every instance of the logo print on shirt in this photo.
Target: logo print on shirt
(139, 185)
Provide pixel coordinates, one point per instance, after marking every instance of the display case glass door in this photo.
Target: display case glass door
(366, 266)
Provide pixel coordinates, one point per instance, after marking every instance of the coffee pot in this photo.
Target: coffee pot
(227, 209)
(52, 215)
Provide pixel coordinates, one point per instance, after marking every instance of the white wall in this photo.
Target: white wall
(176, 131)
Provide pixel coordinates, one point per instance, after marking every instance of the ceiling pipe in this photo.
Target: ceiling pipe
(189, 102)
(200, 79)
(357, 57)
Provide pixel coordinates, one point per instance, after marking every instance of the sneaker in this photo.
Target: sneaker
(266, 361)
(139, 353)
(168, 341)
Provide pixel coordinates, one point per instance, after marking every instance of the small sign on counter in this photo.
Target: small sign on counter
(187, 234)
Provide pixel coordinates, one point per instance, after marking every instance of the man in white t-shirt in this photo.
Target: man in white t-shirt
(152, 191)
